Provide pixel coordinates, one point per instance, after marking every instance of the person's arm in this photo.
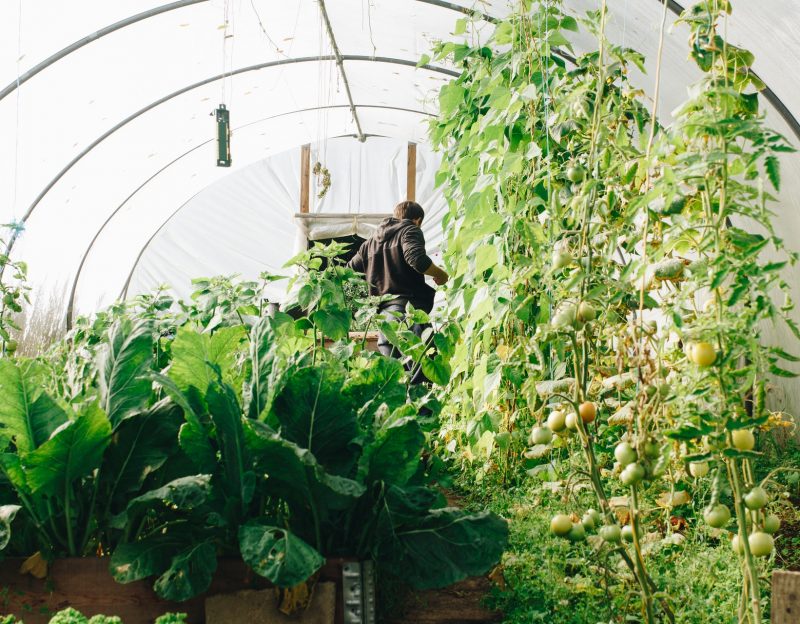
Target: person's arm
(413, 243)
(439, 276)
(357, 262)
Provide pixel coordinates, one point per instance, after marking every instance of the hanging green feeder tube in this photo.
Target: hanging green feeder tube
(223, 117)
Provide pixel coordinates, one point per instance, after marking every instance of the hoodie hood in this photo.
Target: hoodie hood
(390, 227)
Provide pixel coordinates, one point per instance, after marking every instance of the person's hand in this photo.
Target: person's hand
(441, 278)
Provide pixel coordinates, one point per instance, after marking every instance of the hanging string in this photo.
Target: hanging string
(227, 60)
(17, 116)
(278, 50)
(545, 65)
(625, 22)
(369, 26)
(231, 57)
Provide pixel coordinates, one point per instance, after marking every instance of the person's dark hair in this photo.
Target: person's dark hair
(409, 210)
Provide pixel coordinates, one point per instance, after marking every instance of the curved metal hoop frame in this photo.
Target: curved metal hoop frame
(87, 252)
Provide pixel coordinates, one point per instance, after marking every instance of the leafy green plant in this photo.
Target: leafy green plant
(330, 468)
(72, 616)
(181, 441)
(320, 290)
(14, 293)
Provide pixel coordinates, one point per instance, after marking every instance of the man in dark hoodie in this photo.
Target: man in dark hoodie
(395, 263)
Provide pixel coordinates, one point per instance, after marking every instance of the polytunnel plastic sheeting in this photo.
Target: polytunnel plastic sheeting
(77, 124)
(122, 238)
(72, 205)
(258, 231)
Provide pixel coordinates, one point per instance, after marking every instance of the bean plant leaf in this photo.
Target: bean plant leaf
(189, 574)
(262, 358)
(123, 363)
(278, 555)
(294, 474)
(447, 546)
(394, 455)
(11, 466)
(134, 561)
(73, 451)
(227, 416)
(313, 413)
(773, 167)
(333, 321)
(437, 369)
(193, 354)
(7, 514)
(192, 437)
(379, 381)
(27, 415)
(141, 445)
(185, 493)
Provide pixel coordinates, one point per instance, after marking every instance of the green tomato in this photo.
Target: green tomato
(627, 533)
(577, 533)
(575, 173)
(717, 516)
(541, 435)
(736, 544)
(625, 454)
(611, 533)
(560, 525)
(632, 474)
(572, 421)
(598, 519)
(586, 312)
(565, 317)
(698, 469)
(702, 353)
(561, 259)
(761, 544)
(556, 421)
(588, 522)
(771, 524)
(652, 450)
(756, 498)
(743, 439)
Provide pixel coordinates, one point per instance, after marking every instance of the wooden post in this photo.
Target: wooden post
(785, 597)
(411, 175)
(305, 177)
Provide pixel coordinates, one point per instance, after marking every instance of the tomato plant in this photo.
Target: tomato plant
(600, 259)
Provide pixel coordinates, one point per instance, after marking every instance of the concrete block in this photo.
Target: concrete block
(260, 607)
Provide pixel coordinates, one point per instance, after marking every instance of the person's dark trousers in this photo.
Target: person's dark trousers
(398, 310)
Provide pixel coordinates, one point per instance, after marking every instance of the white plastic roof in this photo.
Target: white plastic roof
(118, 129)
(246, 222)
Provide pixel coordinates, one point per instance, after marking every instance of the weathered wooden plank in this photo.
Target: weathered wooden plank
(785, 597)
(305, 177)
(458, 604)
(86, 585)
(411, 173)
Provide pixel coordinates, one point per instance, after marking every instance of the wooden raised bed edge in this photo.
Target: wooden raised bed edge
(86, 585)
(785, 597)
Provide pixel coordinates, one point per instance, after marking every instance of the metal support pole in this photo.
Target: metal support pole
(340, 65)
